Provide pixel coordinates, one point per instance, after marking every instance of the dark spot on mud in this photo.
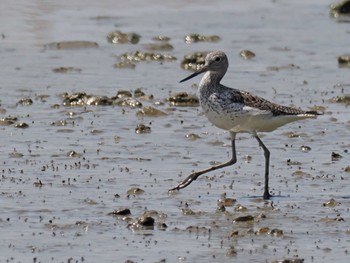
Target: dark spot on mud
(289, 260)
(247, 218)
(336, 156)
(66, 70)
(121, 212)
(159, 47)
(284, 67)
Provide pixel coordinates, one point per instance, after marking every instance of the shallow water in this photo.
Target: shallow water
(55, 206)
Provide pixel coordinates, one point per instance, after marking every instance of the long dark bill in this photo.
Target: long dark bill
(203, 69)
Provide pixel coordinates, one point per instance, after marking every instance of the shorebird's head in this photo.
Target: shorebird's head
(215, 62)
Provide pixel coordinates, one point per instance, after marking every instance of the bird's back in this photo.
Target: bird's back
(240, 111)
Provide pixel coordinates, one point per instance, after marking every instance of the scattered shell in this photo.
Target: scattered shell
(129, 102)
(276, 232)
(247, 54)
(305, 148)
(21, 125)
(331, 203)
(73, 154)
(118, 37)
(194, 61)
(161, 38)
(145, 56)
(25, 102)
(150, 112)
(240, 208)
(262, 231)
(290, 162)
(192, 136)
(342, 99)
(142, 223)
(141, 129)
(347, 169)
(135, 191)
(194, 38)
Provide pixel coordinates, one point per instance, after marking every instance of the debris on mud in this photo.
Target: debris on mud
(142, 129)
(340, 9)
(135, 191)
(183, 99)
(149, 111)
(194, 38)
(194, 61)
(25, 102)
(82, 99)
(121, 212)
(118, 37)
(247, 54)
(344, 61)
(71, 45)
(342, 99)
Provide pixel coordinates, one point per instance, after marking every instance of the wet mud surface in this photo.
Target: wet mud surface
(96, 128)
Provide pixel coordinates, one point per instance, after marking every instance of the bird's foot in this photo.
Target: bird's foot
(267, 195)
(185, 182)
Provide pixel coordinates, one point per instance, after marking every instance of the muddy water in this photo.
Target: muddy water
(63, 175)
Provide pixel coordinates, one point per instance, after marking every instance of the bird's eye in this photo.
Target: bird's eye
(217, 59)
